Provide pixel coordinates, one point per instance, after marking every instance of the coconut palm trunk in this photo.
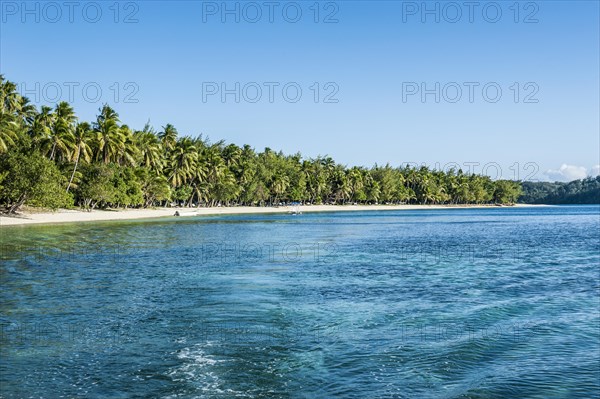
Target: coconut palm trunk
(74, 170)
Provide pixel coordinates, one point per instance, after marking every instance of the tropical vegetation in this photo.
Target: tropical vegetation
(49, 158)
(583, 191)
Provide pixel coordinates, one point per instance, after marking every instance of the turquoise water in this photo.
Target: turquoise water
(460, 303)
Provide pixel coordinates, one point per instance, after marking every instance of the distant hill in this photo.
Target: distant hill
(584, 191)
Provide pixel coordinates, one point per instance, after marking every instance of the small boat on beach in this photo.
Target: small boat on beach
(178, 213)
(295, 209)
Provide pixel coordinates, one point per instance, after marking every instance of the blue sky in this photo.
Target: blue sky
(361, 68)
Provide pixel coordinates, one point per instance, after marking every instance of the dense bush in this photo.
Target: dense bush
(32, 179)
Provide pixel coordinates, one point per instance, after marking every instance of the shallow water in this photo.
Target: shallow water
(457, 303)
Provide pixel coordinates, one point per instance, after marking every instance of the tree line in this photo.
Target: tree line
(48, 158)
(582, 191)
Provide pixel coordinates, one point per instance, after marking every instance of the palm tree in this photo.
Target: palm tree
(200, 187)
(373, 191)
(280, 185)
(232, 155)
(9, 96)
(83, 137)
(215, 170)
(8, 131)
(128, 151)
(61, 140)
(108, 140)
(12, 120)
(340, 184)
(182, 162)
(26, 111)
(40, 130)
(198, 174)
(356, 183)
(150, 150)
(168, 137)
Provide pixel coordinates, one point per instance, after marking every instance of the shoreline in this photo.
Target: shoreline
(78, 216)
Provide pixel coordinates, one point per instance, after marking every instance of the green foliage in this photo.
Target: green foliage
(31, 179)
(182, 193)
(107, 164)
(155, 188)
(584, 191)
(97, 186)
(506, 192)
(3, 176)
(128, 189)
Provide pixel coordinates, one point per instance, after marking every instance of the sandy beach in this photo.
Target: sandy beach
(76, 216)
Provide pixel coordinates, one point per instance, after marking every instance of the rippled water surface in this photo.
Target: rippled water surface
(490, 303)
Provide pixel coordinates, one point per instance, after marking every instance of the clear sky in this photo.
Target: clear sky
(387, 81)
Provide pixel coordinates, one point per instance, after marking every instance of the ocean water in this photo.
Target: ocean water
(456, 303)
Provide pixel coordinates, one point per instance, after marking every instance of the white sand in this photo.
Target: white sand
(74, 216)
